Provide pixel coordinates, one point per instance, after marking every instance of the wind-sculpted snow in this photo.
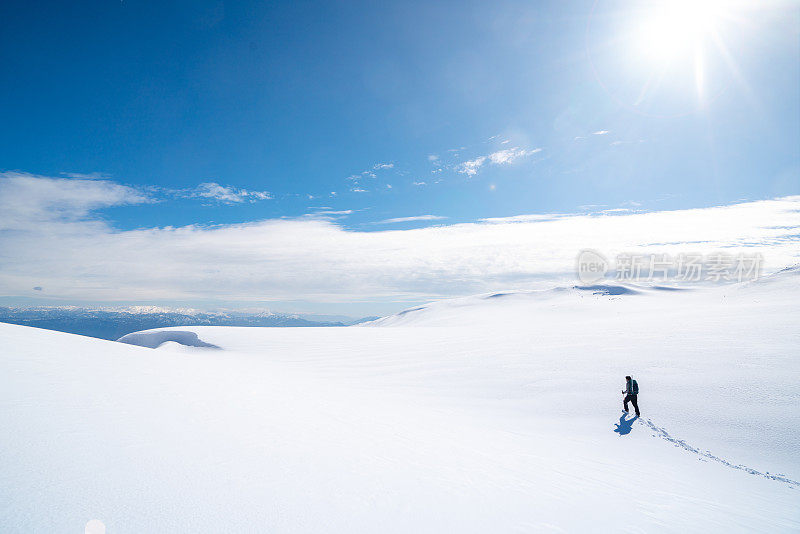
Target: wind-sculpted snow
(156, 338)
(482, 414)
(602, 289)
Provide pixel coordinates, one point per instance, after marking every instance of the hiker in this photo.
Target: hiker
(631, 391)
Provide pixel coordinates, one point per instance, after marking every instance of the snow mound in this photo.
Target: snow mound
(155, 338)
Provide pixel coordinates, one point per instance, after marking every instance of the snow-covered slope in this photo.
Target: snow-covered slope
(485, 414)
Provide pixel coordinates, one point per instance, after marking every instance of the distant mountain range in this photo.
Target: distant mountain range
(114, 323)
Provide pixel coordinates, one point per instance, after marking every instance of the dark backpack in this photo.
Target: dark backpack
(635, 387)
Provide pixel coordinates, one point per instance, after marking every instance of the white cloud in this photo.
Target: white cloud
(358, 190)
(525, 218)
(333, 212)
(600, 132)
(470, 167)
(27, 199)
(388, 186)
(364, 174)
(60, 244)
(433, 157)
(420, 183)
(227, 194)
(87, 175)
(501, 157)
(378, 166)
(328, 214)
(412, 219)
(617, 210)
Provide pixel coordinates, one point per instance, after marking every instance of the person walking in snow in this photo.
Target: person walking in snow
(631, 391)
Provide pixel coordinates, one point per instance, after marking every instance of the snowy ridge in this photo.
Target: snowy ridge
(423, 314)
(786, 279)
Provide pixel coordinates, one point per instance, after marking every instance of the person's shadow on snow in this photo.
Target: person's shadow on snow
(625, 425)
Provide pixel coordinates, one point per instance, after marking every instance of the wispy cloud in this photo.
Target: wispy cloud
(328, 214)
(600, 132)
(617, 210)
(364, 174)
(501, 157)
(509, 155)
(418, 184)
(333, 212)
(28, 199)
(61, 243)
(415, 218)
(526, 218)
(87, 175)
(369, 173)
(229, 194)
(471, 167)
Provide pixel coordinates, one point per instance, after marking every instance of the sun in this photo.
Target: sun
(678, 29)
(666, 57)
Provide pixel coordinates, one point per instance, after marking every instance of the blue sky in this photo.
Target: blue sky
(380, 115)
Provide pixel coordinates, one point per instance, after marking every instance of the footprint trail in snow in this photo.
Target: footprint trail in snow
(663, 434)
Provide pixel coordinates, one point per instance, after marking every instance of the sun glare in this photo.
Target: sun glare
(676, 32)
(678, 28)
(666, 57)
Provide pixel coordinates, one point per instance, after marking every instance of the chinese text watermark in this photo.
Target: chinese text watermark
(592, 266)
